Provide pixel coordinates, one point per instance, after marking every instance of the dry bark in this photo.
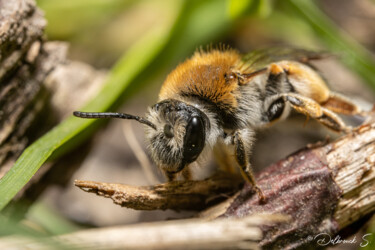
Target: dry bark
(324, 188)
(177, 195)
(33, 75)
(36, 79)
(21, 73)
(231, 233)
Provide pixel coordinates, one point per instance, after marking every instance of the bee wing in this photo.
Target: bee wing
(259, 59)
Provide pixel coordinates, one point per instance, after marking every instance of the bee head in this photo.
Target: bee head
(180, 134)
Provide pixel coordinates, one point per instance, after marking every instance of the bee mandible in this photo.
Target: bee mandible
(222, 97)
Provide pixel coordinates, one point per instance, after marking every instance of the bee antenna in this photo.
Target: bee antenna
(113, 115)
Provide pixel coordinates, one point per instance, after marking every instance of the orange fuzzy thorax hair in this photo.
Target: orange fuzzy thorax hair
(203, 76)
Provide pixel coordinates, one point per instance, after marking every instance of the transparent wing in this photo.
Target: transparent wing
(259, 59)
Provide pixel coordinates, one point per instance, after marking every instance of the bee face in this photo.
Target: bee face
(180, 134)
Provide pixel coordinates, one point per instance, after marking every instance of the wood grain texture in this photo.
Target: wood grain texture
(21, 73)
(182, 234)
(36, 85)
(177, 195)
(322, 188)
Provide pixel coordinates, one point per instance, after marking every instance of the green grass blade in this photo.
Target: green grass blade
(368, 239)
(135, 60)
(355, 55)
(238, 7)
(83, 15)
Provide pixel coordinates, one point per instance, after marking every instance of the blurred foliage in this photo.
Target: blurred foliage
(371, 237)
(260, 8)
(101, 30)
(358, 58)
(70, 18)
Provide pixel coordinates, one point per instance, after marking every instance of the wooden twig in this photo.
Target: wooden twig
(181, 234)
(21, 75)
(188, 195)
(352, 162)
(324, 188)
(38, 87)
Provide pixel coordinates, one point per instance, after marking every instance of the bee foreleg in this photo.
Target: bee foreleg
(170, 176)
(224, 158)
(341, 104)
(242, 157)
(313, 109)
(186, 173)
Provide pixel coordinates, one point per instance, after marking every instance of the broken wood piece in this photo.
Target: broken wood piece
(324, 188)
(22, 72)
(177, 195)
(231, 233)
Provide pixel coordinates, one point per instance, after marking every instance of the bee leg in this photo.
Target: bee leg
(242, 157)
(186, 173)
(313, 109)
(224, 158)
(341, 104)
(170, 176)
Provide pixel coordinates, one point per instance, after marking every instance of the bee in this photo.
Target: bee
(222, 97)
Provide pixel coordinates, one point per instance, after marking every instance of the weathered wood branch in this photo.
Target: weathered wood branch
(188, 195)
(21, 30)
(231, 233)
(33, 75)
(323, 188)
(36, 79)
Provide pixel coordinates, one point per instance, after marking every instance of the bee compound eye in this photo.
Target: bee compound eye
(194, 139)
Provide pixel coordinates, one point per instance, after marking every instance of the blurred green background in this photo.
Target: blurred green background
(139, 42)
(101, 30)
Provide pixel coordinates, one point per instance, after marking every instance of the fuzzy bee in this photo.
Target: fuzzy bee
(223, 97)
